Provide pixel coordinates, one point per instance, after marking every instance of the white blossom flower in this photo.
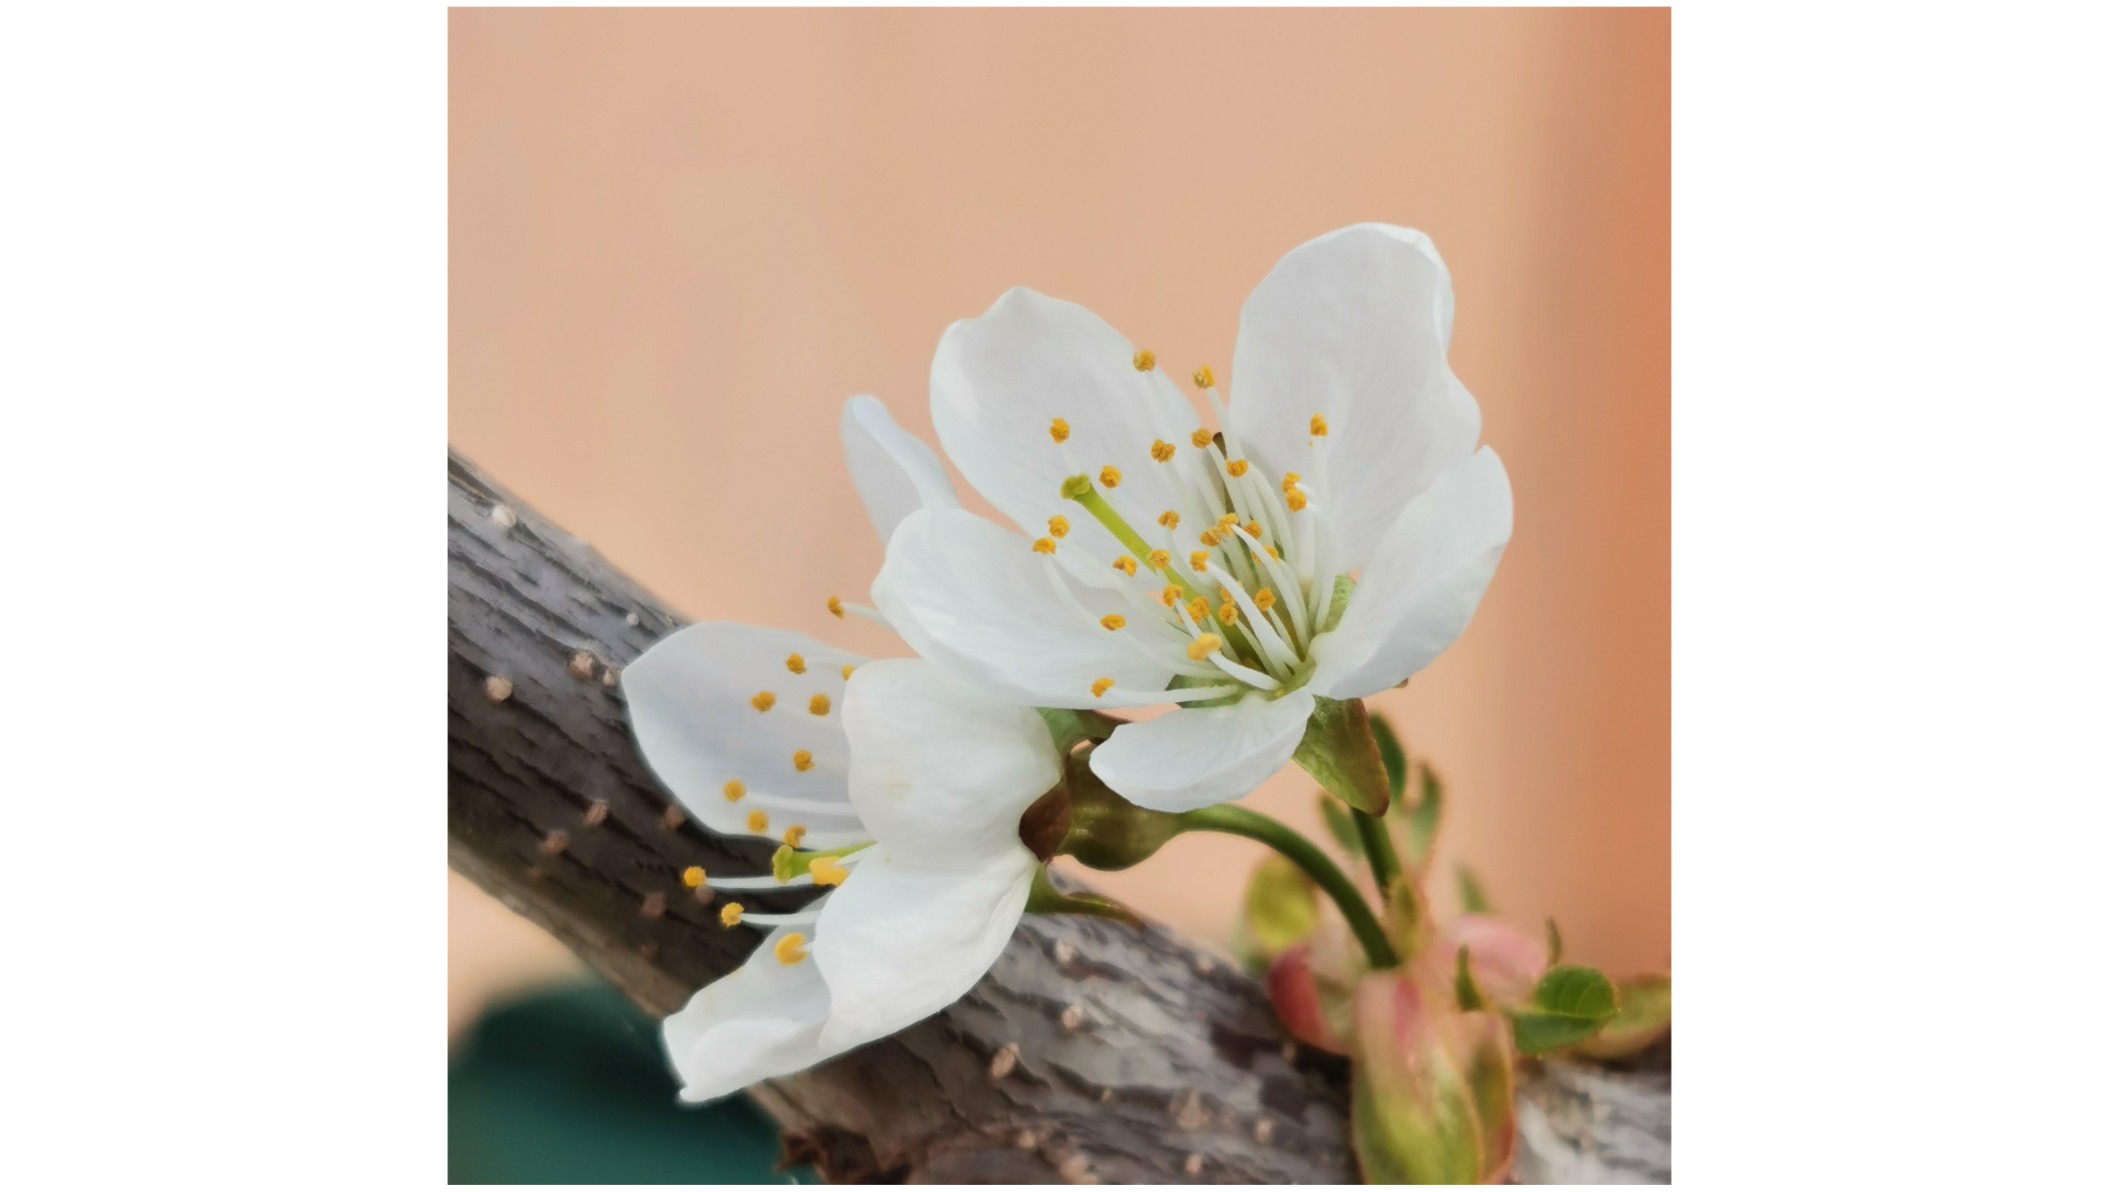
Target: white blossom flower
(1169, 564)
(896, 783)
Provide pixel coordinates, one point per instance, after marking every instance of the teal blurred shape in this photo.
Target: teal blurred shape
(569, 1087)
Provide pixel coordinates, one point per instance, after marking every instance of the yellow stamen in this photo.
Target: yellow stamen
(795, 664)
(1273, 551)
(764, 701)
(1226, 520)
(1126, 564)
(694, 878)
(1158, 558)
(1238, 467)
(803, 761)
(1210, 538)
(1109, 477)
(1199, 560)
(1290, 480)
(1060, 430)
(1170, 595)
(1057, 525)
(1197, 606)
(757, 822)
(732, 790)
(1227, 613)
(1168, 519)
(1251, 528)
(1297, 500)
(1204, 378)
(1044, 546)
(732, 914)
(1203, 645)
(826, 871)
(1161, 451)
(835, 608)
(789, 950)
(1263, 598)
(846, 672)
(1113, 622)
(1318, 426)
(820, 704)
(1143, 360)
(1202, 437)
(794, 834)
(1099, 687)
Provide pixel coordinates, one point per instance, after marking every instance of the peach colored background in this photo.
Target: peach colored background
(679, 240)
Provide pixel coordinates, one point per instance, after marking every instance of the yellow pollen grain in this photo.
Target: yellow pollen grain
(1109, 477)
(803, 761)
(1113, 622)
(1290, 480)
(1297, 500)
(789, 950)
(694, 878)
(794, 834)
(1197, 606)
(1044, 546)
(1143, 360)
(1251, 528)
(1318, 426)
(1210, 538)
(1226, 520)
(835, 608)
(1057, 525)
(732, 790)
(1227, 613)
(1099, 687)
(732, 914)
(1199, 560)
(1126, 564)
(820, 704)
(764, 701)
(1161, 451)
(1204, 377)
(1060, 430)
(1263, 598)
(1170, 595)
(1158, 558)
(846, 672)
(796, 665)
(1168, 519)
(757, 822)
(1238, 467)
(1273, 551)
(1203, 645)
(1202, 437)
(826, 871)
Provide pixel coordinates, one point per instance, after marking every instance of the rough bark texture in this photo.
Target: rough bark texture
(1092, 1052)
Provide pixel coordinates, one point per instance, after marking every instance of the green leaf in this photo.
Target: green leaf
(1393, 755)
(1552, 943)
(1425, 817)
(1643, 1017)
(1469, 894)
(1339, 822)
(1280, 905)
(1468, 996)
(1570, 1003)
(1339, 751)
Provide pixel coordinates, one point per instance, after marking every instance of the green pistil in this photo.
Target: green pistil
(790, 862)
(1082, 490)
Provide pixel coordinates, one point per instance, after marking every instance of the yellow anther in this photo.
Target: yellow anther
(1109, 477)
(794, 834)
(826, 871)
(1203, 645)
(820, 704)
(1204, 378)
(1273, 551)
(1318, 426)
(1238, 467)
(1290, 480)
(1226, 520)
(1251, 528)
(1126, 564)
(1060, 430)
(1168, 519)
(1143, 360)
(1170, 594)
(803, 761)
(1199, 560)
(1202, 438)
(795, 665)
(1158, 558)
(758, 821)
(1161, 451)
(1057, 525)
(1227, 613)
(1210, 538)
(694, 878)
(846, 672)
(732, 914)
(790, 950)
(732, 790)
(1113, 622)
(1044, 546)
(1099, 687)
(764, 701)
(1263, 598)
(1197, 606)
(836, 609)
(1297, 500)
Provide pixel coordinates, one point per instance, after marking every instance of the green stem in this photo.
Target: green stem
(1382, 854)
(1237, 821)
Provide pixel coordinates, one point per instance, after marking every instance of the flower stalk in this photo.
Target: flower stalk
(1238, 821)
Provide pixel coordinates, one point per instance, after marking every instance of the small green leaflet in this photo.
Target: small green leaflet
(1570, 1003)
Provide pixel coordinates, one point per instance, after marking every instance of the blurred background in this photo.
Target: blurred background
(680, 239)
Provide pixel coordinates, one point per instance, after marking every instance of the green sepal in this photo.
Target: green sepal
(1279, 905)
(1469, 896)
(1552, 943)
(1072, 726)
(1643, 1017)
(1469, 999)
(1568, 1006)
(1339, 751)
(1424, 819)
(1048, 899)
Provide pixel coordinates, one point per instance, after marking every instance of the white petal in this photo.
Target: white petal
(1000, 379)
(942, 772)
(1355, 326)
(1196, 757)
(756, 1023)
(1425, 581)
(894, 472)
(689, 698)
(900, 941)
(974, 597)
